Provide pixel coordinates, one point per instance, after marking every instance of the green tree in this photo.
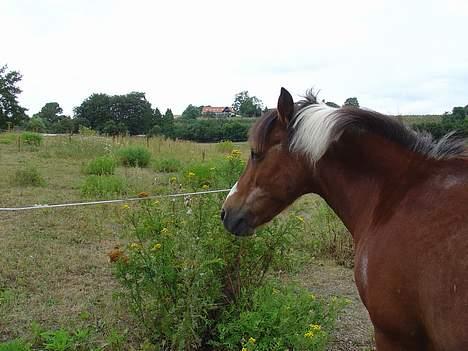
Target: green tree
(458, 113)
(191, 112)
(130, 110)
(10, 110)
(95, 111)
(167, 125)
(246, 105)
(50, 113)
(352, 101)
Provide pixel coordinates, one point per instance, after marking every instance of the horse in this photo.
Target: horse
(402, 195)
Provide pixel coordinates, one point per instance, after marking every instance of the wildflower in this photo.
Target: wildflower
(156, 247)
(309, 334)
(173, 179)
(245, 349)
(125, 207)
(191, 174)
(205, 186)
(315, 327)
(135, 246)
(300, 219)
(252, 340)
(236, 153)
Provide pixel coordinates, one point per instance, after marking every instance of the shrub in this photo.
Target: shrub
(31, 138)
(167, 165)
(104, 165)
(28, 176)
(279, 318)
(134, 156)
(189, 283)
(102, 186)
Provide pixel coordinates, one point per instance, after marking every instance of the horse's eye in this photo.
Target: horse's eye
(254, 155)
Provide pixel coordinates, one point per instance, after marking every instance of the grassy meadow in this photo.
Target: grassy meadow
(58, 288)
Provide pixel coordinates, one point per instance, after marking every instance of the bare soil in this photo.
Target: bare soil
(354, 329)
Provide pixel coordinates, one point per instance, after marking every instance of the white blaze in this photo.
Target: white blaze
(233, 191)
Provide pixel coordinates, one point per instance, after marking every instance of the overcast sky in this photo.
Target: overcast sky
(397, 57)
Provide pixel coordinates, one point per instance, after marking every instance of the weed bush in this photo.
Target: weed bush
(189, 282)
(31, 138)
(104, 165)
(134, 156)
(27, 176)
(103, 186)
(167, 165)
(278, 318)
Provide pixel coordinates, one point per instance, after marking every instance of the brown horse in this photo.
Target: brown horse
(403, 197)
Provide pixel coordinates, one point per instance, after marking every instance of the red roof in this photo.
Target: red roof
(212, 109)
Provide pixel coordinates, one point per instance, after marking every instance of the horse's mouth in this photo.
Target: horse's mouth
(237, 223)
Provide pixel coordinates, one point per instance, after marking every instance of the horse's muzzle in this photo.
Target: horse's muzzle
(237, 222)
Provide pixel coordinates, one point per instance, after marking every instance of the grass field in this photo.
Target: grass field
(54, 268)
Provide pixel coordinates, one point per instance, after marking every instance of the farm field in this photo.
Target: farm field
(55, 272)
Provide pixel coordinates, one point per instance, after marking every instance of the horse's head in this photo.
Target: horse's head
(274, 177)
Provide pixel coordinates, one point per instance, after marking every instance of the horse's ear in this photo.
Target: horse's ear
(285, 107)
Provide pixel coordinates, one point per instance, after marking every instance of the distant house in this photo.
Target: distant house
(212, 111)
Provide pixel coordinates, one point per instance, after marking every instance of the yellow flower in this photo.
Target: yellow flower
(191, 174)
(125, 207)
(252, 340)
(173, 179)
(235, 153)
(309, 334)
(315, 327)
(156, 247)
(300, 219)
(205, 186)
(135, 246)
(245, 349)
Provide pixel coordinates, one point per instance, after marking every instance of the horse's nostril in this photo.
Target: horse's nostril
(223, 214)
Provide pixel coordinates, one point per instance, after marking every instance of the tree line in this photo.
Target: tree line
(133, 114)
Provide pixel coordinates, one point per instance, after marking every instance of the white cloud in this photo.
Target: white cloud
(395, 56)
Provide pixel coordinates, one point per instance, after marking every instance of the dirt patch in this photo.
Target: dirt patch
(354, 329)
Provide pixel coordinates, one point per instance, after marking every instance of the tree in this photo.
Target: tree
(10, 110)
(167, 122)
(50, 113)
(94, 112)
(352, 101)
(191, 112)
(246, 105)
(458, 113)
(131, 110)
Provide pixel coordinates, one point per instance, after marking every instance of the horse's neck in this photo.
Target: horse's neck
(363, 177)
